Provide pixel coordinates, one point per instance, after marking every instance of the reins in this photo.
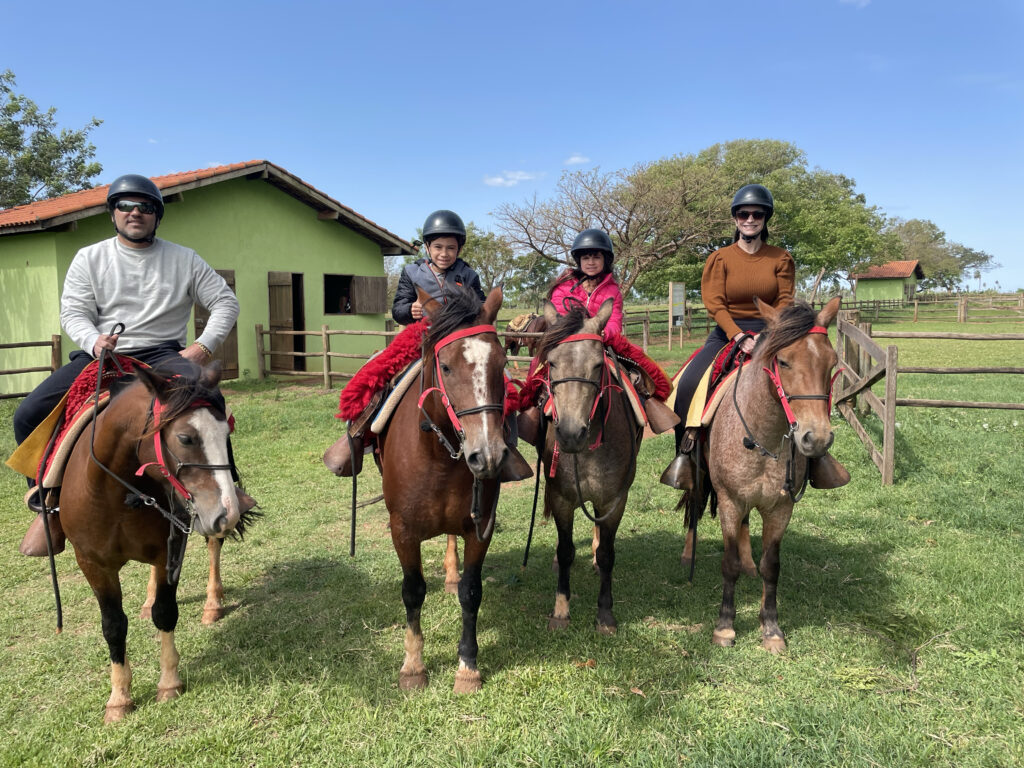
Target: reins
(454, 417)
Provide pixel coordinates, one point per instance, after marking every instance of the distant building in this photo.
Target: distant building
(895, 280)
(296, 258)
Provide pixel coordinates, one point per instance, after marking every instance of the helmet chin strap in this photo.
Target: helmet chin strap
(750, 238)
(148, 239)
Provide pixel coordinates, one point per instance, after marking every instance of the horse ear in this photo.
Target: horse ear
(491, 305)
(829, 311)
(767, 311)
(155, 384)
(550, 313)
(430, 305)
(604, 312)
(211, 374)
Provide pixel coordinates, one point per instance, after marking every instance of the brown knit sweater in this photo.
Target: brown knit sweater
(733, 277)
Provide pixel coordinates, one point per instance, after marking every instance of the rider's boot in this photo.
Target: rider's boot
(680, 472)
(515, 467)
(34, 543)
(827, 472)
(529, 424)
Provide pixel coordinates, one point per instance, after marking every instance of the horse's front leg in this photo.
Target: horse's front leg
(467, 676)
(605, 559)
(565, 553)
(414, 589)
(107, 587)
(773, 527)
(731, 518)
(213, 610)
(165, 619)
(451, 565)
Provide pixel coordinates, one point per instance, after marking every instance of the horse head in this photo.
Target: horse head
(464, 376)
(573, 349)
(799, 358)
(185, 445)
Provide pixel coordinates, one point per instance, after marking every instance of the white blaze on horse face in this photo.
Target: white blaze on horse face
(214, 435)
(477, 354)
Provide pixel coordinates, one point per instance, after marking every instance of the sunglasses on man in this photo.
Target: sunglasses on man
(127, 206)
(744, 215)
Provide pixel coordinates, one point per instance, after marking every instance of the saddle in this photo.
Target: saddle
(383, 404)
(518, 323)
(715, 383)
(46, 451)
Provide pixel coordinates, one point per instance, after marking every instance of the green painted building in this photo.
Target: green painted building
(296, 258)
(896, 280)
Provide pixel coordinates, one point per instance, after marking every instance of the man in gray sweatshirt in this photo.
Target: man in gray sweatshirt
(147, 284)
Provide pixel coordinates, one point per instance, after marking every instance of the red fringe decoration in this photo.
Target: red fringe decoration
(378, 371)
(624, 348)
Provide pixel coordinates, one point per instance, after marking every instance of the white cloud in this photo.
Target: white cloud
(858, 4)
(215, 164)
(510, 178)
(577, 159)
(152, 141)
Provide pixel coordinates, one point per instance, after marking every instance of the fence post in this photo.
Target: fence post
(261, 367)
(647, 328)
(889, 424)
(55, 352)
(915, 310)
(327, 356)
(863, 366)
(389, 326)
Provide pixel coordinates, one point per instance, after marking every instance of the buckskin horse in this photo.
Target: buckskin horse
(440, 458)
(590, 449)
(153, 467)
(775, 418)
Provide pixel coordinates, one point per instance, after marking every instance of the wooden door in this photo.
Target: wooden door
(282, 318)
(227, 353)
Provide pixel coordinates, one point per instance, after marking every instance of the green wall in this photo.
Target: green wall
(877, 289)
(248, 226)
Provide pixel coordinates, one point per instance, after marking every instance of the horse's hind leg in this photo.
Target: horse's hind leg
(774, 526)
(165, 619)
(147, 607)
(605, 557)
(467, 676)
(451, 565)
(743, 548)
(414, 589)
(107, 587)
(213, 610)
(730, 517)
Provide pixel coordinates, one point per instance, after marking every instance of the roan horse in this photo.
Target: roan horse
(152, 468)
(758, 445)
(440, 458)
(590, 449)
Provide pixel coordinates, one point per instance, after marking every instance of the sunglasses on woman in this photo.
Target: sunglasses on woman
(744, 215)
(127, 206)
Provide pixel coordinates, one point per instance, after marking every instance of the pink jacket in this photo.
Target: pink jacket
(606, 289)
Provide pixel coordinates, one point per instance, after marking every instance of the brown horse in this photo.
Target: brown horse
(590, 449)
(440, 458)
(758, 446)
(513, 341)
(154, 467)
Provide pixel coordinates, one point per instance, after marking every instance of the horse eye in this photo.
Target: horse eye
(445, 369)
(783, 363)
(185, 439)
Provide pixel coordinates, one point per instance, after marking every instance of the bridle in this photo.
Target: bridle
(750, 442)
(456, 422)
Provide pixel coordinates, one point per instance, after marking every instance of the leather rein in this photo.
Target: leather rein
(454, 418)
(750, 442)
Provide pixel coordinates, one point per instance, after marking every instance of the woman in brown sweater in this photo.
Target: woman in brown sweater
(732, 277)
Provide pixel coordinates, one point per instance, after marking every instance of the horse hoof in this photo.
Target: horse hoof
(686, 562)
(169, 694)
(212, 615)
(726, 638)
(468, 681)
(750, 569)
(451, 587)
(146, 612)
(774, 644)
(607, 629)
(554, 622)
(116, 713)
(412, 681)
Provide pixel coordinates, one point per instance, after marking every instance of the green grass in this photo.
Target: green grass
(903, 607)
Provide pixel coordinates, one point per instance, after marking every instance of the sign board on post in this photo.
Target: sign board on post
(676, 309)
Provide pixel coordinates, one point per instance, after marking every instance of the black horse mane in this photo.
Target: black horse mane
(571, 322)
(795, 322)
(182, 387)
(462, 308)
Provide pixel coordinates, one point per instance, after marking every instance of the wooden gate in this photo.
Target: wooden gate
(228, 351)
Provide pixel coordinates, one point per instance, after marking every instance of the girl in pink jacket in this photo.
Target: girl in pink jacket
(591, 282)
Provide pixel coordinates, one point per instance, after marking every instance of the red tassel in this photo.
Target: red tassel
(378, 371)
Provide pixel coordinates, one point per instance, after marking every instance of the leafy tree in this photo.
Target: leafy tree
(490, 255)
(37, 159)
(945, 264)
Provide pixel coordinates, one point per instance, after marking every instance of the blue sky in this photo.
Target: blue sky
(399, 108)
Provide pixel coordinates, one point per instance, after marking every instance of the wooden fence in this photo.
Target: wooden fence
(865, 364)
(55, 358)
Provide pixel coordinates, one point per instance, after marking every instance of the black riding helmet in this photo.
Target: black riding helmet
(593, 240)
(444, 222)
(135, 185)
(754, 194)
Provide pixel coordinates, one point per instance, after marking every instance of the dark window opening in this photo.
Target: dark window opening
(337, 294)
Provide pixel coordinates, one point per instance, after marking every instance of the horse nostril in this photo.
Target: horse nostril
(220, 525)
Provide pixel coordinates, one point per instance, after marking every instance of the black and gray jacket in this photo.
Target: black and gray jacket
(419, 274)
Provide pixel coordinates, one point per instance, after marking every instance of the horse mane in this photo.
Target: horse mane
(183, 387)
(570, 323)
(795, 322)
(463, 307)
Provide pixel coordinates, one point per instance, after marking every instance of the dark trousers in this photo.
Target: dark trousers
(705, 356)
(44, 398)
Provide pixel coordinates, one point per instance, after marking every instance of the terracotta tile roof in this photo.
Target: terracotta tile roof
(44, 214)
(894, 269)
